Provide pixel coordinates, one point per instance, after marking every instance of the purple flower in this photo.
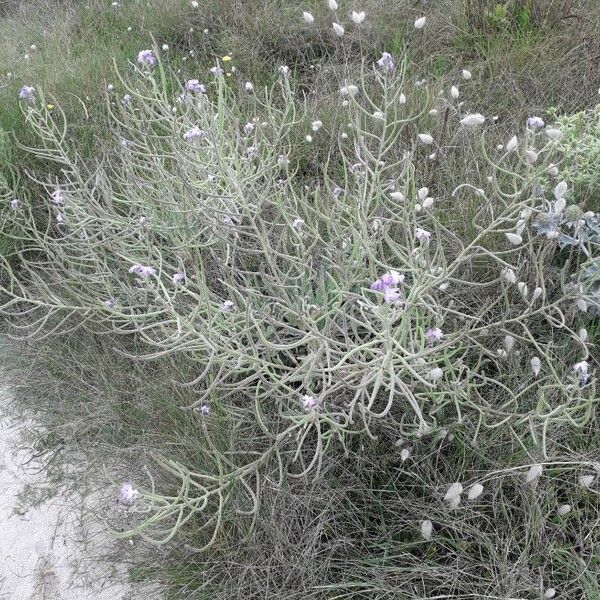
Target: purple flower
(227, 306)
(204, 409)
(147, 58)
(193, 85)
(581, 370)
(127, 494)
(251, 151)
(178, 278)
(27, 93)
(309, 403)
(535, 123)
(391, 279)
(14, 204)
(110, 303)
(392, 295)
(195, 133)
(142, 270)
(337, 191)
(434, 334)
(127, 98)
(356, 168)
(248, 128)
(386, 62)
(298, 222)
(422, 235)
(216, 71)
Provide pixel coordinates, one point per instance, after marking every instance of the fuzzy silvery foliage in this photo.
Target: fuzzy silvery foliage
(314, 308)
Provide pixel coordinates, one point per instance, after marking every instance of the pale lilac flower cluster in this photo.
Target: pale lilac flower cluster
(146, 58)
(193, 134)
(127, 494)
(15, 203)
(142, 271)
(535, 123)
(216, 71)
(195, 87)
(581, 369)
(434, 334)
(309, 403)
(27, 93)
(386, 62)
(178, 278)
(227, 306)
(388, 284)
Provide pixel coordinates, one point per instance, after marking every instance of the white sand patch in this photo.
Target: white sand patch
(53, 548)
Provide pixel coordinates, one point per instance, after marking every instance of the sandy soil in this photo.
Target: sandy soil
(51, 546)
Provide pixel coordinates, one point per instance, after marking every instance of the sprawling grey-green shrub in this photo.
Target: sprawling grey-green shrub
(311, 310)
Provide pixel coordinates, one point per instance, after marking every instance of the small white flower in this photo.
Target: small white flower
(559, 206)
(512, 144)
(378, 115)
(349, 91)
(248, 86)
(332, 4)
(536, 294)
(308, 18)
(426, 529)
(401, 99)
(536, 365)
(554, 134)
(466, 74)
(586, 481)
(514, 239)
(531, 156)
(560, 190)
(475, 491)
(194, 4)
(583, 334)
(423, 193)
(435, 375)
(358, 17)
(509, 343)
(552, 170)
(550, 593)
(534, 473)
(425, 138)
(397, 196)
(316, 125)
(420, 23)
(165, 47)
(284, 71)
(564, 509)
(454, 92)
(454, 491)
(509, 275)
(338, 29)
(405, 454)
(472, 120)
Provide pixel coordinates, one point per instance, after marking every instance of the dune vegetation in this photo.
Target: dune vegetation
(317, 284)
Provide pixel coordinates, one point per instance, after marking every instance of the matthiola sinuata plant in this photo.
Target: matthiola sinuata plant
(350, 309)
